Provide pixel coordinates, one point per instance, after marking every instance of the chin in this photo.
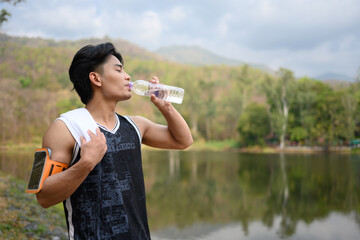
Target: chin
(124, 98)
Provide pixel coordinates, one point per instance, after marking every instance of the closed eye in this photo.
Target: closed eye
(119, 67)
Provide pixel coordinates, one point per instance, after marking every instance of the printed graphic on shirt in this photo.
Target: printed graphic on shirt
(112, 204)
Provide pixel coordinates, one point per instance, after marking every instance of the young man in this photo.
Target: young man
(103, 189)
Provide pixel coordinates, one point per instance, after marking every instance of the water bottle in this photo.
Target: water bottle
(164, 92)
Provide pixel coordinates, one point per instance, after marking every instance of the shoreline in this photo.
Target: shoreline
(230, 145)
(304, 149)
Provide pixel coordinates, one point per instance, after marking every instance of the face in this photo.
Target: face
(114, 80)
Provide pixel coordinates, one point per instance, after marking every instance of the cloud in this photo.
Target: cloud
(177, 14)
(223, 24)
(59, 22)
(298, 24)
(308, 36)
(150, 28)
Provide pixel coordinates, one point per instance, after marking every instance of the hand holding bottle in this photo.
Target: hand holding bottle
(155, 94)
(157, 89)
(164, 92)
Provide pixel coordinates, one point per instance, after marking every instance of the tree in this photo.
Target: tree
(4, 14)
(329, 123)
(280, 95)
(303, 111)
(253, 126)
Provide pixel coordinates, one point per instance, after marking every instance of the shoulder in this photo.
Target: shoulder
(141, 122)
(59, 139)
(57, 129)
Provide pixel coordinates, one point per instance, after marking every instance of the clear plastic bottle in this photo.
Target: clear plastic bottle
(165, 92)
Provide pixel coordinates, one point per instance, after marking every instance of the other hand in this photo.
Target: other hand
(94, 150)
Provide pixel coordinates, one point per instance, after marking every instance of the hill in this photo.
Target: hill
(35, 82)
(198, 56)
(195, 56)
(329, 77)
(126, 48)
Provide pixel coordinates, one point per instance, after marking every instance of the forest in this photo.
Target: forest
(252, 106)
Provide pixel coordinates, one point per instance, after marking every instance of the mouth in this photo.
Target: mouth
(128, 86)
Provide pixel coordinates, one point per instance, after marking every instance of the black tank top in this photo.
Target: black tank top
(110, 203)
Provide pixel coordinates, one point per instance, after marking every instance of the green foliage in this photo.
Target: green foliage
(67, 104)
(35, 82)
(298, 134)
(4, 14)
(253, 126)
(280, 93)
(25, 82)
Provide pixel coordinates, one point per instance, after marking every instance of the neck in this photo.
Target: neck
(102, 113)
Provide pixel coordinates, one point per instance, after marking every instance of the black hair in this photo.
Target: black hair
(87, 60)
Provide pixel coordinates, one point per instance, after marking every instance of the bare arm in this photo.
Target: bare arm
(60, 186)
(176, 135)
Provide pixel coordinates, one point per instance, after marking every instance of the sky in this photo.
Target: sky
(308, 37)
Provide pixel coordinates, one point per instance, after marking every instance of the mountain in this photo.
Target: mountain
(198, 56)
(194, 55)
(334, 77)
(125, 48)
(181, 54)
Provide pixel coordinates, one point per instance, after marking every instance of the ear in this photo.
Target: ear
(95, 78)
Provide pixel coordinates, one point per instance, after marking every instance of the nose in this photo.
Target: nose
(127, 77)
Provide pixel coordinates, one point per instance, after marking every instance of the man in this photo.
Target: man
(103, 189)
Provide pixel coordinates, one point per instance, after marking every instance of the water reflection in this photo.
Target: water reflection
(18, 163)
(227, 195)
(336, 226)
(283, 193)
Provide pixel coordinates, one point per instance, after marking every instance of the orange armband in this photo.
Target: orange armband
(42, 168)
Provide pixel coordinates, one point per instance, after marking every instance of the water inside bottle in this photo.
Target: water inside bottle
(167, 95)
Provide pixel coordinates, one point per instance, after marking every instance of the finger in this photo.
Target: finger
(155, 79)
(82, 140)
(102, 135)
(98, 132)
(91, 134)
(153, 98)
(157, 102)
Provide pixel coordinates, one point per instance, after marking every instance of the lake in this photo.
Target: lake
(208, 195)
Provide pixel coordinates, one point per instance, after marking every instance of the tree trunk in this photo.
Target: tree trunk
(194, 127)
(208, 129)
(285, 112)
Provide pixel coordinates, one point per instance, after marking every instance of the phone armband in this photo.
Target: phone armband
(42, 168)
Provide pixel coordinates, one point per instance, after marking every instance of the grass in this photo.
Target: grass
(215, 145)
(23, 218)
(34, 143)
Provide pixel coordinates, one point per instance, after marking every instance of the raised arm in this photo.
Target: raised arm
(60, 186)
(176, 135)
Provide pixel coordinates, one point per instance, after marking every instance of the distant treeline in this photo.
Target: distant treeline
(221, 102)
